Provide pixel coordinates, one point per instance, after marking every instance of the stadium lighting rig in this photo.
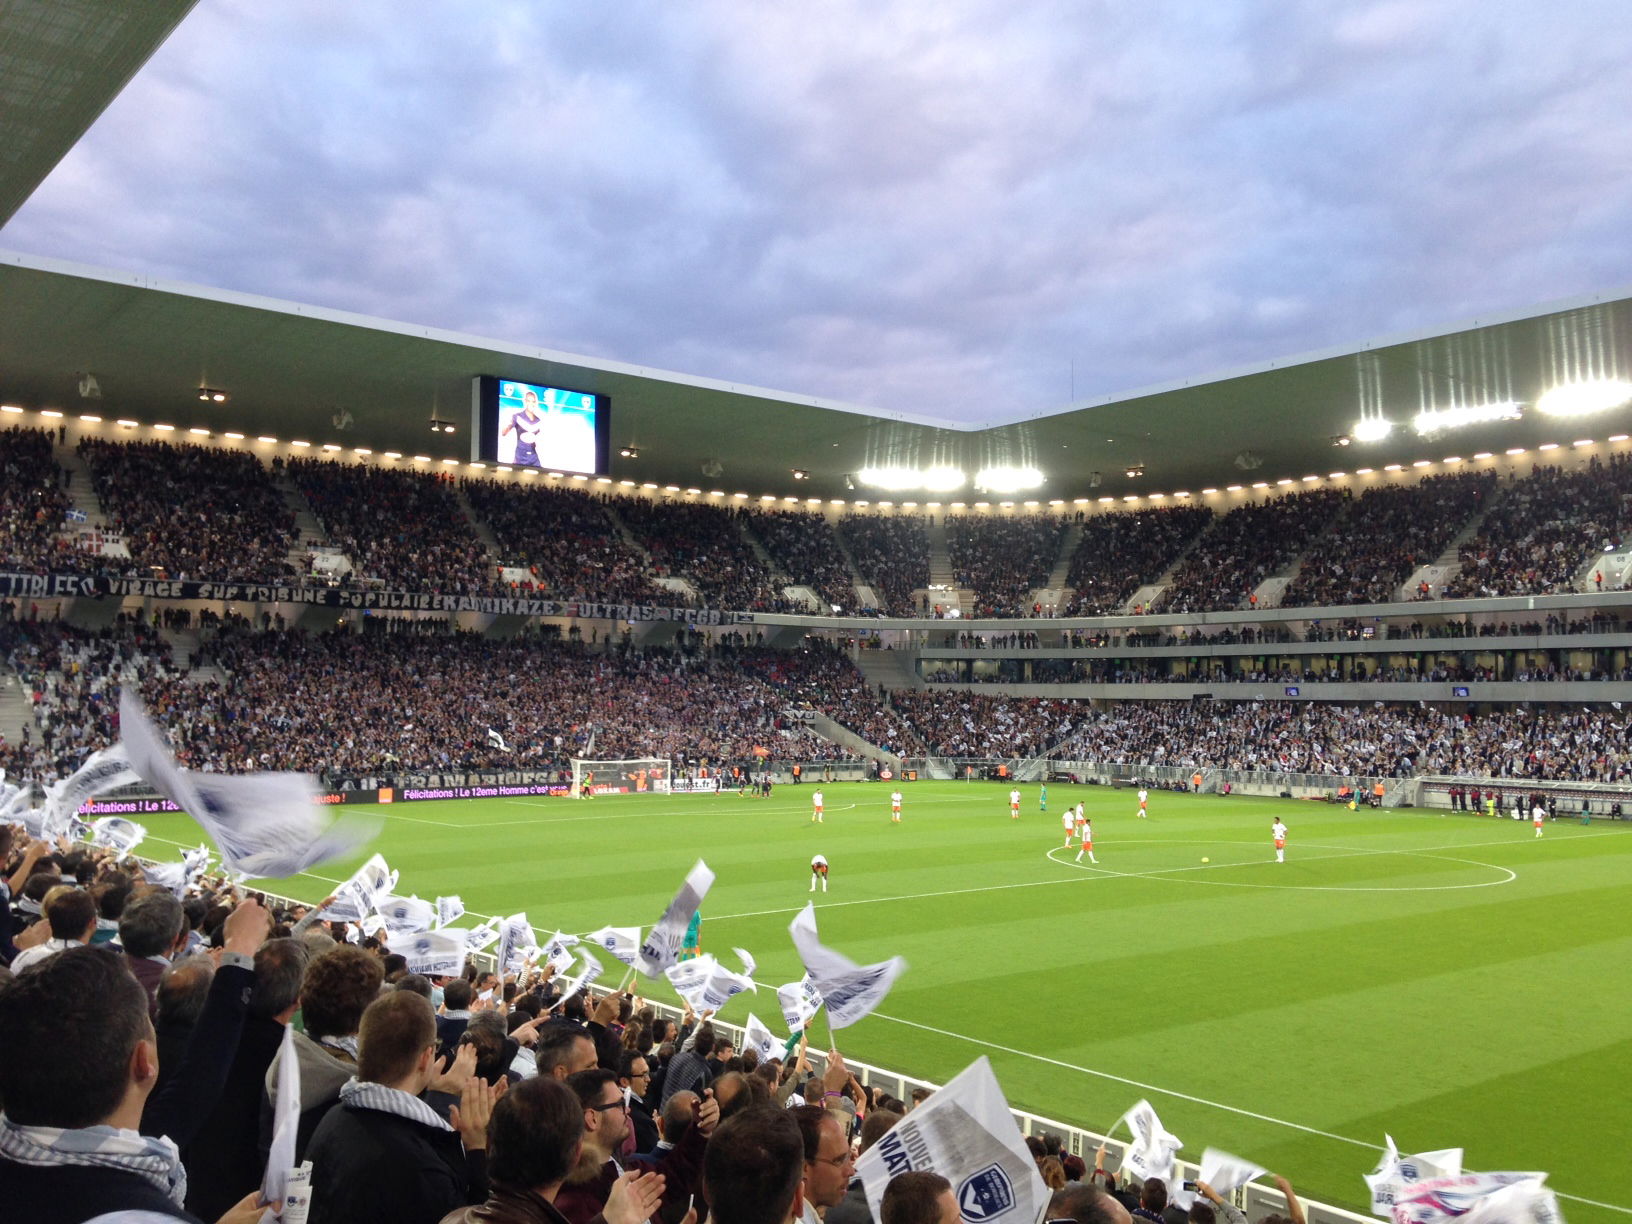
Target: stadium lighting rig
(629, 452)
(438, 425)
(211, 395)
(1584, 398)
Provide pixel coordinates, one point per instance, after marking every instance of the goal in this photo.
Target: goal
(630, 776)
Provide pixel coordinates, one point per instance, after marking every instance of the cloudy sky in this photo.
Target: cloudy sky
(962, 209)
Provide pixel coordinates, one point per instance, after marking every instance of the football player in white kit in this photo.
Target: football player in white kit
(1086, 829)
(818, 871)
(1537, 815)
(1144, 797)
(1069, 819)
(816, 807)
(1279, 831)
(1014, 804)
(895, 807)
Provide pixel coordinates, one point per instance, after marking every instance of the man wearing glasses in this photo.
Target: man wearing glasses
(606, 1126)
(635, 1078)
(829, 1166)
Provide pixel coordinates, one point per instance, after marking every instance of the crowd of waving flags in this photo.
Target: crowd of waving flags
(270, 825)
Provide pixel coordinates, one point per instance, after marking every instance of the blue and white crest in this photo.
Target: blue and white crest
(986, 1195)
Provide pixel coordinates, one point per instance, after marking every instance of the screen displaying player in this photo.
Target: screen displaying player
(547, 427)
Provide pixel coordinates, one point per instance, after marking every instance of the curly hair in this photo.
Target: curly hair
(337, 989)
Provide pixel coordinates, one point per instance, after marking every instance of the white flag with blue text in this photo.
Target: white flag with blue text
(850, 991)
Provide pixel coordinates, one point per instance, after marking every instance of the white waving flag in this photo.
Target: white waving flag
(102, 771)
(264, 824)
(622, 942)
(587, 977)
(1154, 1147)
(482, 936)
(355, 899)
(755, 1036)
(706, 984)
(1488, 1198)
(515, 934)
(280, 1160)
(495, 740)
(1395, 1174)
(171, 876)
(449, 909)
(748, 962)
(662, 946)
(118, 833)
(405, 915)
(800, 1002)
(965, 1133)
(434, 953)
(850, 991)
(1224, 1172)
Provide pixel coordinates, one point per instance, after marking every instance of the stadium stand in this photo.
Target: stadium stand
(1003, 560)
(804, 546)
(566, 539)
(193, 512)
(32, 502)
(405, 530)
(1120, 552)
(1245, 547)
(1383, 536)
(1543, 529)
(891, 555)
(704, 545)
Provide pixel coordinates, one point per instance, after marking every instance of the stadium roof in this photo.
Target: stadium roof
(325, 376)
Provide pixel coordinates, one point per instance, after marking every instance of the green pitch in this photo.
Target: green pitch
(1448, 978)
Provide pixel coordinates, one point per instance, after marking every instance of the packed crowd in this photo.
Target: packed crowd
(823, 678)
(808, 552)
(1003, 560)
(977, 725)
(1383, 536)
(704, 545)
(892, 557)
(470, 1097)
(1245, 547)
(193, 512)
(1542, 530)
(403, 529)
(72, 679)
(1571, 744)
(566, 539)
(32, 502)
(1124, 550)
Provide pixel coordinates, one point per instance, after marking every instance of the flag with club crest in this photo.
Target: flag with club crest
(355, 899)
(755, 1036)
(800, 1002)
(621, 942)
(1479, 1198)
(449, 909)
(117, 833)
(661, 947)
(439, 953)
(1395, 1174)
(1152, 1152)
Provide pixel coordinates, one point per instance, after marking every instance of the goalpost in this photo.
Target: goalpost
(627, 776)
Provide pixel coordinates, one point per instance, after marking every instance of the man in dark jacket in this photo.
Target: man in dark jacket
(383, 1156)
(532, 1145)
(86, 1135)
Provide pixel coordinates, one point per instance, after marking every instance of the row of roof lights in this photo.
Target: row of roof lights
(651, 486)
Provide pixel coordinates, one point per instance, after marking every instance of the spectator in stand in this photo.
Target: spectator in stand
(919, 1196)
(205, 514)
(1003, 560)
(70, 920)
(1247, 546)
(405, 530)
(892, 557)
(566, 538)
(1121, 551)
(1383, 536)
(32, 506)
(752, 1169)
(151, 931)
(336, 989)
(533, 1143)
(383, 1154)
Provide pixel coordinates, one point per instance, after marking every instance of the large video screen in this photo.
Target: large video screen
(530, 425)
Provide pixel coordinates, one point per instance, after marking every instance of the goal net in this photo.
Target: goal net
(630, 776)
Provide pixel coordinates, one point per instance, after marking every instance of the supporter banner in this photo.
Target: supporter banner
(72, 586)
(435, 953)
(965, 1133)
(1394, 1175)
